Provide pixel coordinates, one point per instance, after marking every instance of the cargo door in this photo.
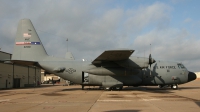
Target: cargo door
(85, 78)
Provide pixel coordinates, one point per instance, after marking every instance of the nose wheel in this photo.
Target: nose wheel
(174, 86)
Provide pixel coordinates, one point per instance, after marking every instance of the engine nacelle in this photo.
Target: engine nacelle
(134, 63)
(112, 71)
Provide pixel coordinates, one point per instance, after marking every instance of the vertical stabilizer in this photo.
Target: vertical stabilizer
(69, 56)
(27, 43)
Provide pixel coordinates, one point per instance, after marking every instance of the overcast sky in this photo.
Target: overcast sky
(92, 26)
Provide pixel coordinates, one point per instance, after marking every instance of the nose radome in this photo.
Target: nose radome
(191, 76)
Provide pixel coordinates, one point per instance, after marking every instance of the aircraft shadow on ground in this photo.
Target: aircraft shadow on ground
(53, 94)
(198, 103)
(154, 90)
(72, 89)
(144, 89)
(188, 88)
(148, 89)
(123, 111)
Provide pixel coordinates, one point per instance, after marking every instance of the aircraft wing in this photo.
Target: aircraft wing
(113, 55)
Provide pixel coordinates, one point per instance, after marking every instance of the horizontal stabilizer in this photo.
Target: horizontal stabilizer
(26, 63)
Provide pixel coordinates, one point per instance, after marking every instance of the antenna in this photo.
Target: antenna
(67, 44)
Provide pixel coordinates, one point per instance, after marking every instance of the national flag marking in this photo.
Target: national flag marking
(27, 43)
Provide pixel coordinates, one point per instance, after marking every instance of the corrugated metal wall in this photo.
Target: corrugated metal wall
(4, 55)
(28, 76)
(16, 75)
(6, 72)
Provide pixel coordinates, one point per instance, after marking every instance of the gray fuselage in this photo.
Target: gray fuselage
(161, 73)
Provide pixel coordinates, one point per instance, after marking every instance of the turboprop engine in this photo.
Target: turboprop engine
(112, 71)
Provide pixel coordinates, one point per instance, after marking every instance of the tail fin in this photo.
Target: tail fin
(28, 46)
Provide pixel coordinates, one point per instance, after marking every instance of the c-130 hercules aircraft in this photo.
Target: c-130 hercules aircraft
(113, 69)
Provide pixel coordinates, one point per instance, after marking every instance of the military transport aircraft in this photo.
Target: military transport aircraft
(112, 69)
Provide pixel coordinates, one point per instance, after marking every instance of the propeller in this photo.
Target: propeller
(151, 61)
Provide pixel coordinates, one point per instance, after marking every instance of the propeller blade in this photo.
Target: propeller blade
(150, 69)
(151, 61)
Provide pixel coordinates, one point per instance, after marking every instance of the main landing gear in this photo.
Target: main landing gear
(173, 86)
(107, 88)
(113, 88)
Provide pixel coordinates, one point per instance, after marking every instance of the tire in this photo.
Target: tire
(174, 86)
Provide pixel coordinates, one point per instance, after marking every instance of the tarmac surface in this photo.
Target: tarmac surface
(60, 98)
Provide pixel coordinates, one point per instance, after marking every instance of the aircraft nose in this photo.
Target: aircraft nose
(191, 76)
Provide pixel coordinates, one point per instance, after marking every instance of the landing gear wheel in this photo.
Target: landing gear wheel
(160, 86)
(174, 86)
(82, 87)
(107, 88)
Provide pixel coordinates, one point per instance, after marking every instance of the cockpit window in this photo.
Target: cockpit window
(180, 66)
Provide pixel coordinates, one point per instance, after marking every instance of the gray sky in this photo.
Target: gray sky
(171, 27)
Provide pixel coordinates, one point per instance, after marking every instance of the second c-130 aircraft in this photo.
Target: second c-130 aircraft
(113, 69)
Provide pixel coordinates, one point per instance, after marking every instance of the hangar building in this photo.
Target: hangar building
(17, 76)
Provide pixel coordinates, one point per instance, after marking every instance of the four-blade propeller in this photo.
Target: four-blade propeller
(151, 61)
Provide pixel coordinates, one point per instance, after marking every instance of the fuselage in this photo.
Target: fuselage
(85, 73)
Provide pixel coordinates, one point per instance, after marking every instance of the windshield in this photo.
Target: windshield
(181, 66)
